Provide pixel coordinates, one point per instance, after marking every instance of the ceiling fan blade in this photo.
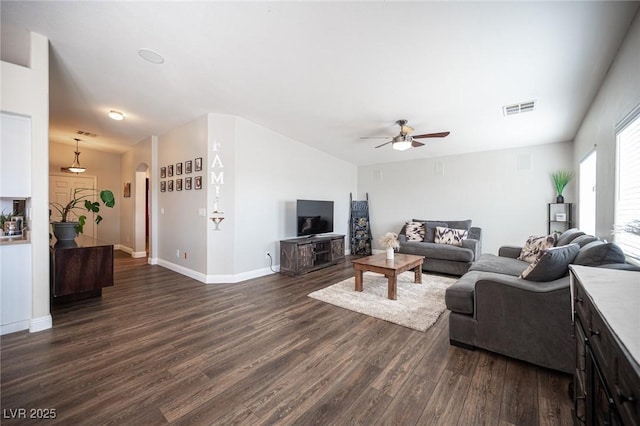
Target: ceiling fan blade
(433, 135)
(416, 144)
(384, 144)
(375, 137)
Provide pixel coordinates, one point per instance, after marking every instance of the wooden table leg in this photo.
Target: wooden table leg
(358, 279)
(393, 287)
(418, 274)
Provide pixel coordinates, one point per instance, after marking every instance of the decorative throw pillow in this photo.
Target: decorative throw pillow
(568, 236)
(534, 245)
(598, 253)
(450, 236)
(430, 228)
(551, 264)
(414, 231)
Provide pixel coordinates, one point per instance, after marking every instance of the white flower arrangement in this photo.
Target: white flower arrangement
(389, 240)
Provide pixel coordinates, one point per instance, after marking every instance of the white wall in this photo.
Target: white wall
(272, 172)
(180, 226)
(617, 97)
(25, 91)
(139, 157)
(106, 168)
(495, 189)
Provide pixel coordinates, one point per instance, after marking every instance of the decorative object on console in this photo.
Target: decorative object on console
(390, 242)
(66, 230)
(561, 179)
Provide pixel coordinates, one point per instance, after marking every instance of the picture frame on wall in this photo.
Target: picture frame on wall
(170, 170)
(178, 184)
(163, 186)
(198, 164)
(187, 183)
(170, 185)
(188, 166)
(198, 182)
(163, 172)
(178, 168)
(127, 190)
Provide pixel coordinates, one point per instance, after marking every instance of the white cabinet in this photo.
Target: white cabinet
(15, 287)
(15, 156)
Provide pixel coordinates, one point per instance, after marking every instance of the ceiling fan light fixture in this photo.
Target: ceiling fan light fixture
(116, 115)
(401, 145)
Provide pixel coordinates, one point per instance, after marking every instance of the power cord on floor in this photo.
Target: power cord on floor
(271, 263)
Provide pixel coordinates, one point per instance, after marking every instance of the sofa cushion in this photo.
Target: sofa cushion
(502, 265)
(568, 236)
(598, 253)
(534, 245)
(415, 231)
(583, 240)
(551, 264)
(430, 228)
(450, 236)
(437, 251)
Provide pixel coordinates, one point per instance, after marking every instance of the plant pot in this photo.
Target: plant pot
(390, 253)
(64, 231)
(559, 199)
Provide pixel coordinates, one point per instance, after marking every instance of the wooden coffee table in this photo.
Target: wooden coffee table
(389, 268)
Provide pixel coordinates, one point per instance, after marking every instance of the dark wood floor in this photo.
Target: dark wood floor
(161, 348)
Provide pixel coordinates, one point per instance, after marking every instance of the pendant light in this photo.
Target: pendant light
(76, 167)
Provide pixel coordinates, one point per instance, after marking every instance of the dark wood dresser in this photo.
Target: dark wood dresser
(80, 269)
(606, 312)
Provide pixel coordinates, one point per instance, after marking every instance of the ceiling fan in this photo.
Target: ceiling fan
(404, 140)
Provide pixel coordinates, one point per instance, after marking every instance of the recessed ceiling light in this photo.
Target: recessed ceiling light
(116, 115)
(151, 56)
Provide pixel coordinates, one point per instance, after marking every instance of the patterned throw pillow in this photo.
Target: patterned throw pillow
(534, 245)
(415, 231)
(450, 236)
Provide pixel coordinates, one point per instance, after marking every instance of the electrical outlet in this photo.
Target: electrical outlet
(268, 255)
(185, 254)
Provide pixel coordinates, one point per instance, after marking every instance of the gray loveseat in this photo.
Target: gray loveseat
(443, 258)
(492, 308)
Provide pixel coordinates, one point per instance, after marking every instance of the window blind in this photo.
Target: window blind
(627, 209)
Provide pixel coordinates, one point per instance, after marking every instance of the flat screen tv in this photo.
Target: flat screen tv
(314, 217)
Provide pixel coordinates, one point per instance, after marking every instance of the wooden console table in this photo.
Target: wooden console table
(606, 381)
(80, 269)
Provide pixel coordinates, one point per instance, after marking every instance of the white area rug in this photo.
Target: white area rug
(418, 305)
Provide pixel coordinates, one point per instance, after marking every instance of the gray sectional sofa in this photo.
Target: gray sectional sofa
(444, 258)
(492, 308)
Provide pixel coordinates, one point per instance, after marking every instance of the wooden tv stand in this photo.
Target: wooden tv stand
(306, 254)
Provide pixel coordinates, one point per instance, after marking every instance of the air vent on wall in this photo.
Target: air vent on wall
(519, 108)
(83, 133)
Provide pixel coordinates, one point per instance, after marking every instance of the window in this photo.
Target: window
(627, 208)
(588, 193)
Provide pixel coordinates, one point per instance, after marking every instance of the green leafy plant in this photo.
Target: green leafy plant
(561, 179)
(83, 199)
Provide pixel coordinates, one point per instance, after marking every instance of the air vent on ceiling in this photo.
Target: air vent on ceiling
(519, 108)
(83, 133)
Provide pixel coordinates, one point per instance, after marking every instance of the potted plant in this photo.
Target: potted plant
(561, 179)
(81, 198)
(390, 242)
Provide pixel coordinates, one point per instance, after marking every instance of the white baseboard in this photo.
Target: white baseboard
(123, 248)
(40, 324)
(13, 327)
(139, 254)
(214, 279)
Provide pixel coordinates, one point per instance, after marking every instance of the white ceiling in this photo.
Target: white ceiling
(325, 73)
